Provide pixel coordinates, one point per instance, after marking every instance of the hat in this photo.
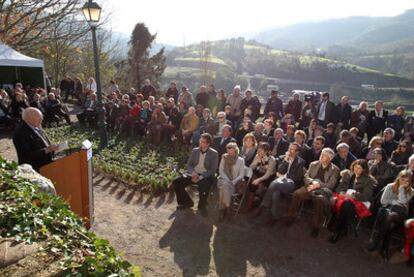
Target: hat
(237, 87)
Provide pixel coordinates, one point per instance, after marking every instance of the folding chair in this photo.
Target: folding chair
(248, 174)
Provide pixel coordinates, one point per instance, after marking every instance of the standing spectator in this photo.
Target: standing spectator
(359, 119)
(234, 101)
(64, 86)
(185, 97)
(294, 107)
(251, 102)
(113, 87)
(148, 89)
(325, 110)
(172, 92)
(396, 121)
(222, 100)
(79, 91)
(213, 103)
(201, 167)
(275, 105)
(377, 120)
(342, 113)
(308, 113)
(91, 86)
(202, 97)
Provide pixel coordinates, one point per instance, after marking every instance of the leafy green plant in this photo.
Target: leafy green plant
(133, 161)
(29, 215)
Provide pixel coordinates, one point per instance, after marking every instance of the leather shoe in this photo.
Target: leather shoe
(203, 212)
(334, 237)
(314, 232)
(185, 206)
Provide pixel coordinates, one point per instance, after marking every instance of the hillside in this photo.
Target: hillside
(243, 61)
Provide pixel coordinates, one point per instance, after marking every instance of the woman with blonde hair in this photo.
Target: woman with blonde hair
(394, 211)
(231, 173)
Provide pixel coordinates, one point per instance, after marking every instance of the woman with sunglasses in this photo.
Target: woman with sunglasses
(400, 155)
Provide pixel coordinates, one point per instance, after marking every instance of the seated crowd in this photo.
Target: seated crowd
(309, 152)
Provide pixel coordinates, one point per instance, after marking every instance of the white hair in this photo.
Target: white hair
(342, 145)
(30, 112)
(328, 151)
(219, 114)
(410, 159)
(391, 130)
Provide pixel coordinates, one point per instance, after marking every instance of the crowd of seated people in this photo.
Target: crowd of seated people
(14, 101)
(313, 151)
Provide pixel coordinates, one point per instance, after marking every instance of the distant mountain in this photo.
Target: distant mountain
(381, 43)
(360, 32)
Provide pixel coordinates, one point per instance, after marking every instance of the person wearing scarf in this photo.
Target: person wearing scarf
(231, 172)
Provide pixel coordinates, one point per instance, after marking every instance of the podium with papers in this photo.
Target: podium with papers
(72, 177)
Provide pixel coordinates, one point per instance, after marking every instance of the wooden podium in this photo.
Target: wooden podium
(72, 178)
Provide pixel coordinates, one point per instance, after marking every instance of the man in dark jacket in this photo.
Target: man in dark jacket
(294, 107)
(278, 145)
(148, 89)
(290, 176)
(172, 92)
(343, 112)
(31, 142)
(221, 142)
(343, 157)
(201, 167)
(202, 97)
(274, 104)
(377, 120)
(389, 144)
(325, 110)
(251, 102)
(314, 153)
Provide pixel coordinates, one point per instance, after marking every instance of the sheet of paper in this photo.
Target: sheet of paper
(62, 146)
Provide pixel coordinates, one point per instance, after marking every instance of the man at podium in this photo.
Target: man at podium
(31, 142)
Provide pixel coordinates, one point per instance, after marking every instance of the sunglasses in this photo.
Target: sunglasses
(402, 146)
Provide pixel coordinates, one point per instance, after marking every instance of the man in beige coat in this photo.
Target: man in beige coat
(319, 183)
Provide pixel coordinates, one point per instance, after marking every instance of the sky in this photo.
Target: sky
(181, 22)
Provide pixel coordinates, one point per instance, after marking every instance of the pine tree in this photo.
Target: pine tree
(141, 65)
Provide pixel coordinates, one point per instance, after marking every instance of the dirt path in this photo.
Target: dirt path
(168, 243)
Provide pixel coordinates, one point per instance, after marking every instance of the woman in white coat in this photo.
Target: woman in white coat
(231, 172)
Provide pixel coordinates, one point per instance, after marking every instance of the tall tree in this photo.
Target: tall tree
(141, 65)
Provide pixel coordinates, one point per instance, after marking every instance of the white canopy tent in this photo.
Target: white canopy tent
(21, 67)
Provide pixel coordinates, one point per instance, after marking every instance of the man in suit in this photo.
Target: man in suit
(274, 104)
(377, 120)
(290, 175)
(221, 142)
(278, 145)
(324, 112)
(31, 142)
(201, 167)
(319, 182)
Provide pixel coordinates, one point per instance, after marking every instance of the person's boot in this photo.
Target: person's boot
(249, 203)
(259, 211)
(223, 215)
(373, 243)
